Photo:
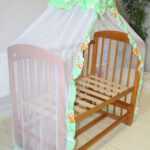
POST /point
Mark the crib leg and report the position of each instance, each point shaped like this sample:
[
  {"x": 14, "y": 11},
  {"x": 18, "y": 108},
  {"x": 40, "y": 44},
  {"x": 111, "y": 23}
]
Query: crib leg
[
  {"x": 129, "y": 119},
  {"x": 134, "y": 94}
]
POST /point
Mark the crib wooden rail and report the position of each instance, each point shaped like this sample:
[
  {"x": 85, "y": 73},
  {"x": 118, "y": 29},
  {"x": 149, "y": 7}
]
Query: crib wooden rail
[
  {"x": 96, "y": 93},
  {"x": 104, "y": 132}
]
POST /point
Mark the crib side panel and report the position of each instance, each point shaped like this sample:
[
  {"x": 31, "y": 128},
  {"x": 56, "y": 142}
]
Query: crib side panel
[{"x": 38, "y": 98}]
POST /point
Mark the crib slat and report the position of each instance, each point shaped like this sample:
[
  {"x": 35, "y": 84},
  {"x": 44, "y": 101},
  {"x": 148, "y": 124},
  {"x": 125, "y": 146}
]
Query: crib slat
[
  {"x": 34, "y": 99},
  {"x": 114, "y": 68},
  {"x": 26, "y": 82},
  {"x": 42, "y": 101},
  {"x": 101, "y": 59},
  {"x": 94, "y": 55},
  {"x": 101, "y": 96},
  {"x": 62, "y": 112},
  {"x": 22, "y": 99},
  {"x": 19, "y": 83},
  {"x": 32, "y": 73},
  {"x": 96, "y": 88},
  {"x": 26, "y": 96},
  {"x": 89, "y": 98},
  {"x": 121, "y": 71},
  {"x": 21, "y": 76},
  {"x": 122, "y": 64},
  {"x": 108, "y": 57},
  {"x": 84, "y": 103},
  {"x": 79, "y": 109},
  {"x": 129, "y": 71},
  {"x": 108, "y": 82},
  {"x": 107, "y": 66},
  {"x": 103, "y": 85},
  {"x": 88, "y": 59},
  {"x": 19, "y": 98},
  {"x": 51, "y": 104}
]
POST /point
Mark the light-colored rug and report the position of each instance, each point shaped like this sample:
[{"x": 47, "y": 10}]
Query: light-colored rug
[{"x": 6, "y": 134}]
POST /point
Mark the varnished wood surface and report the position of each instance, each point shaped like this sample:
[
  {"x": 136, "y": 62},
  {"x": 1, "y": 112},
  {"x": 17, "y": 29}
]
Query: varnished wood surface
[{"x": 95, "y": 93}]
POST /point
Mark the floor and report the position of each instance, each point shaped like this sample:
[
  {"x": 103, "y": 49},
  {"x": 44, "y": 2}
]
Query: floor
[{"x": 136, "y": 137}]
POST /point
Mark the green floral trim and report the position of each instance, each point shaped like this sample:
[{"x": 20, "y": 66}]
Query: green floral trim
[
  {"x": 61, "y": 3},
  {"x": 98, "y": 5},
  {"x": 114, "y": 12},
  {"x": 70, "y": 117}
]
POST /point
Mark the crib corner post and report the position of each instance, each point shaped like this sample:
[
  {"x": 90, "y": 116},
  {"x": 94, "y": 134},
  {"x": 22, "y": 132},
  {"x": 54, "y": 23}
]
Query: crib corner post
[
  {"x": 129, "y": 119},
  {"x": 94, "y": 55}
]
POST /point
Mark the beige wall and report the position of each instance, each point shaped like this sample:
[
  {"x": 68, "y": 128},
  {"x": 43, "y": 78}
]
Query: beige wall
[
  {"x": 16, "y": 16},
  {"x": 147, "y": 57}
]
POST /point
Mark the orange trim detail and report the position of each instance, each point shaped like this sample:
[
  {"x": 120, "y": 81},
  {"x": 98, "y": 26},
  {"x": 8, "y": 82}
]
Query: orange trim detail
[
  {"x": 80, "y": 65},
  {"x": 83, "y": 46},
  {"x": 135, "y": 51},
  {"x": 71, "y": 118},
  {"x": 114, "y": 15}
]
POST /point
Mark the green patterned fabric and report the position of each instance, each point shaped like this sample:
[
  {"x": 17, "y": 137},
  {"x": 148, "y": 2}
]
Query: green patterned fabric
[
  {"x": 71, "y": 124},
  {"x": 84, "y": 4}
]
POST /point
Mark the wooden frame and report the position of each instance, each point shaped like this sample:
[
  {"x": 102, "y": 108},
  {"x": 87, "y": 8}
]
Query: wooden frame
[{"x": 95, "y": 93}]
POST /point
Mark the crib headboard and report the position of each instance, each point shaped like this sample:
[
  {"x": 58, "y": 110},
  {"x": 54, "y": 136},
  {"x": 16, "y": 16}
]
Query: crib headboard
[{"x": 38, "y": 97}]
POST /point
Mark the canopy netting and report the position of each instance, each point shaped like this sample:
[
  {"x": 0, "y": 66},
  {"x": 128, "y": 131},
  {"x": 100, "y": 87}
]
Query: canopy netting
[{"x": 65, "y": 29}]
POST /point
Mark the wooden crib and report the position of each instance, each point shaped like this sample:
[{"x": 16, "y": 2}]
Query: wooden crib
[{"x": 94, "y": 92}]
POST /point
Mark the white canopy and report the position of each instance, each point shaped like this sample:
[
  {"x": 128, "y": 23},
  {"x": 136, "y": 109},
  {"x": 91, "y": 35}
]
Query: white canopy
[{"x": 62, "y": 32}]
